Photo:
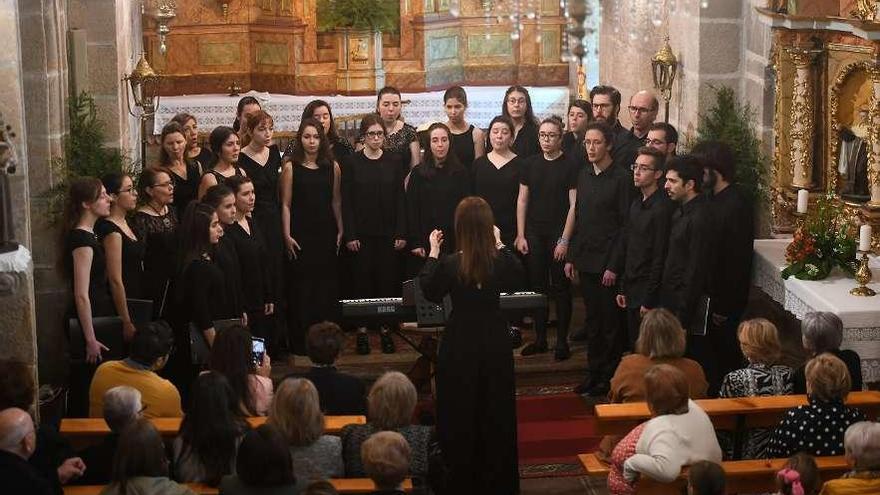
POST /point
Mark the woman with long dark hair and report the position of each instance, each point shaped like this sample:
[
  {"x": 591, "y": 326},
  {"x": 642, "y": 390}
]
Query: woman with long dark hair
[
  {"x": 184, "y": 172},
  {"x": 206, "y": 445},
  {"x": 155, "y": 222},
  {"x": 434, "y": 190},
  {"x": 476, "y": 407},
  {"x": 374, "y": 216},
  {"x": 545, "y": 222},
  {"x": 202, "y": 156},
  {"x": 140, "y": 465},
  {"x": 227, "y": 148},
  {"x": 123, "y": 249},
  {"x": 251, "y": 384},
  {"x": 320, "y": 110},
  {"x": 400, "y": 137},
  {"x": 517, "y": 106},
  {"x": 247, "y": 105},
  {"x": 496, "y": 177},
  {"x": 468, "y": 141},
  {"x": 222, "y": 199},
  {"x": 580, "y": 113},
  {"x": 311, "y": 220}
]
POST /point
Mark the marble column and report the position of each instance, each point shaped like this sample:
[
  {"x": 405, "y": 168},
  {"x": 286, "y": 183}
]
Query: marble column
[{"x": 802, "y": 133}]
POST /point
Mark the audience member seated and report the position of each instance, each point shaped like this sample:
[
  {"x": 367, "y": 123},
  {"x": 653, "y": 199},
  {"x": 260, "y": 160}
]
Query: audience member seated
[
  {"x": 122, "y": 406},
  {"x": 263, "y": 466},
  {"x": 862, "y": 445},
  {"x": 53, "y": 456},
  {"x": 760, "y": 345},
  {"x": 390, "y": 406},
  {"x": 18, "y": 440},
  {"x": 679, "y": 433},
  {"x": 822, "y": 331},
  {"x": 661, "y": 341},
  {"x": 818, "y": 427},
  {"x": 141, "y": 466},
  {"x": 231, "y": 355},
  {"x": 706, "y": 478},
  {"x": 149, "y": 352},
  {"x": 205, "y": 447},
  {"x": 386, "y": 461},
  {"x": 340, "y": 394},
  {"x": 322, "y": 487},
  {"x": 296, "y": 412},
  {"x": 799, "y": 476}
]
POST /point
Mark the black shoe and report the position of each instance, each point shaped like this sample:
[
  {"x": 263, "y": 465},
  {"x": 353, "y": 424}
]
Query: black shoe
[
  {"x": 515, "y": 337},
  {"x": 363, "y": 343},
  {"x": 562, "y": 353},
  {"x": 585, "y": 386},
  {"x": 534, "y": 348},
  {"x": 388, "y": 346},
  {"x": 578, "y": 335},
  {"x": 599, "y": 390}
]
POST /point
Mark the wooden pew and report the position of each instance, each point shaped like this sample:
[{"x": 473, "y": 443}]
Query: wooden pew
[
  {"x": 726, "y": 414},
  {"x": 751, "y": 476},
  {"x": 342, "y": 485}
]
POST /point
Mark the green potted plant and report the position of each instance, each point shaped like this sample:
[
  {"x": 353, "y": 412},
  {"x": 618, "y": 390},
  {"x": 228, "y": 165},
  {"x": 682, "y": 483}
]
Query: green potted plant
[{"x": 358, "y": 25}]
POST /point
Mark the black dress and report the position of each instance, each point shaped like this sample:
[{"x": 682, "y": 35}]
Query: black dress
[
  {"x": 525, "y": 145},
  {"x": 397, "y": 145},
  {"x": 313, "y": 272},
  {"x": 500, "y": 188},
  {"x": 431, "y": 198},
  {"x": 186, "y": 189},
  {"x": 463, "y": 147},
  {"x": 205, "y": 158},
  {"x": 132, "y": 258},
  {"x": 340, "y": 147},
  {"x": 99, "y": 288},
  {"x": 220, "y": 178},
  {"x": 267, "y": 212},
  {"x": 476, "y": 405},
  {"x": 227, "y": 260},
  {"x": 160, "y": 255},
  {"x": 256, "y": 274}
]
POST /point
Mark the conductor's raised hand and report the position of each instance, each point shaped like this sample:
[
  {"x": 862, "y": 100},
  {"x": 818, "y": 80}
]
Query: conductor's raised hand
[
  {"x": 436, "y": 240},
  {"x": 497, "y": 233}
]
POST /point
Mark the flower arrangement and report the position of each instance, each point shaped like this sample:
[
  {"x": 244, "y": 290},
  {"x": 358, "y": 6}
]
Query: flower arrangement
[{"x": 824, "y": 241}]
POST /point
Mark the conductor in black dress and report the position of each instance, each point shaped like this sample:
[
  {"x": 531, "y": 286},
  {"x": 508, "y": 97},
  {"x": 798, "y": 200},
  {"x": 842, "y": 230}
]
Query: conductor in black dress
[{"x": 476, "y": 407}]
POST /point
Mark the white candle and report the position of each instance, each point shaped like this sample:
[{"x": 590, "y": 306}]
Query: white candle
[
  {"x": 802, "y": 199},
  {"x": 865, "y": 238}
]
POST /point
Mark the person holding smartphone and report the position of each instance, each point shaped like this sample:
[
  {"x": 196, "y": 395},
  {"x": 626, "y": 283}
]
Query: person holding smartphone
[{"x": 242, "y": 359}]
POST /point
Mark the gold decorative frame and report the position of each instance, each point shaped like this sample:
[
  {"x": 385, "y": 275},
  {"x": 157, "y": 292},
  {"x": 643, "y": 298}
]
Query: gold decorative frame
[{"x": 843, "y": 74}]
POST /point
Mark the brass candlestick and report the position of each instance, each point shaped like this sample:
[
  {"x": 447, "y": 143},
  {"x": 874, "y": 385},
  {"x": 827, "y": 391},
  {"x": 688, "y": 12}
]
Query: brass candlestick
[
  {"x": 863, "y": 277},
  {"x": 800, "y": 220}
]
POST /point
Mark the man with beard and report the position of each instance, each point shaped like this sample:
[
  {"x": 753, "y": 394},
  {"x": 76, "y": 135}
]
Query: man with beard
[
  {"x": 642, "y": 108},
  {"x": 663, "y": 137},
  {"x": 603, "y": 198},
  {"x": 730, "y": 273},
  {"x": 605, "y": 101}
]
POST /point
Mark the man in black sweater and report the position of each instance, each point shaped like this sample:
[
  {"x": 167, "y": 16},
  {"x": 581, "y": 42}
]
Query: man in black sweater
[
  {"x": 18, "y": 440},
  {"x": 603, "y": 199},
  {"x": 686, "y": 269},
  {"x": 730, "y": 268},
  {"x": 645, "y": 240}
]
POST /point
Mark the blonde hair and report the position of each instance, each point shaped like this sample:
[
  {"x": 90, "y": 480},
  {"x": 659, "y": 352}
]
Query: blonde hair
[
  {"x": 391, "y": 401},
  {"x": 660, "y": 335},
  {"x": 827, "y": 378},
  {"x": 386, "y": 457},
  {"x": 296, "y": 412},
  {"x": 759, "y": 341}
]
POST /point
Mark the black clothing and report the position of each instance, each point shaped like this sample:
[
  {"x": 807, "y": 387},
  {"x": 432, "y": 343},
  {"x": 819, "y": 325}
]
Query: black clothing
[
  {"x": 397, "y": 145},
  {"x": 340, "y": 147},
  {"x": 254, "y": 266},
  {"x": 51, "y": 451},
  {"x": 220, "y": 178},
  {"x": 526, "y": 143},
  {"x": 133, "y": 251},
  {"x": 476, "y": 406},
  {"x": 99, "y": 288},
  {"x": 339, "y": 393},
  {"x": 853, "y": 364},
  {"x": 203, "y": 294},
  {"x": 734, "y": 238},
  {"x": 547, "y": 276},
  {"x": 549, "y": 182},
  {"x": 604, "y": 322},
  {"x": 685, "y": 271},
  {"x": 98, "y": 459},
  {"x": 160, "y": 256},
  {"x": 463, "y": 147},
  {"x": 186, "y": 189},
  {"x": 499, "y": 186},
  {"x": 20, "y": 477},
  {"x": 826, "y": 423},
  {"x": 227, "y": 259},
  {"x": 205, "y": 158},
  {"x": 267, "y": 212},
  {"x": 431, "y": 198},
  {"x": 314, "y": 270},
  {"x": 572, "y": 144},
  {"x": 625, "y": 146}
]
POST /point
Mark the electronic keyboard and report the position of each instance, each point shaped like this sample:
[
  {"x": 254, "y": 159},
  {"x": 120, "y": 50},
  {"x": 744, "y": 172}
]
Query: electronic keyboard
[{"x": 397, "y": 309}]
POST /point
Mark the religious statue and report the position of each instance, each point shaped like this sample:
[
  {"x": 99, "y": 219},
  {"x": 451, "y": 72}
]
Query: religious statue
[
  {"x": 852, "y": 163},
  {"x": 359, "y": 53},
  {"x": 7, "y": 166}
]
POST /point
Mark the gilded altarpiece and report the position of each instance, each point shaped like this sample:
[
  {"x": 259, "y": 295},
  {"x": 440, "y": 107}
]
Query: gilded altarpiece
[
  {"x": 826, "y": 117},
  {"x": 275, "y": 46}
]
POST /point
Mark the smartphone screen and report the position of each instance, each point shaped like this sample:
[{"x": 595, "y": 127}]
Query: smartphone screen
[{"x": 258, "y": 349}]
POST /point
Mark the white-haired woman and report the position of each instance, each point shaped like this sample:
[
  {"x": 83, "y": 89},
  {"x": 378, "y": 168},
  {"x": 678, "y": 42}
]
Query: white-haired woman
[
  {"x": 822, "y": 331},
  {"x": 861, "y": 443}
]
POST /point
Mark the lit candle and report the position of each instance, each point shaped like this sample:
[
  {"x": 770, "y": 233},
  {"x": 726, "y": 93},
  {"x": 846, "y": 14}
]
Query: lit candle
[
  {"x": 865, "y": 238},
  {"x": 802, "y": 199}
]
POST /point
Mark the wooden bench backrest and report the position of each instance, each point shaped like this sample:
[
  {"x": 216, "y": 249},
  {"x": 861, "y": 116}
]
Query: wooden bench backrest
[
  {"x": 726, "y": 414},
  {"x": 97, "y": 427},
  {"x": 342, "y": 485},
  {"x": 750, "y": 476}
]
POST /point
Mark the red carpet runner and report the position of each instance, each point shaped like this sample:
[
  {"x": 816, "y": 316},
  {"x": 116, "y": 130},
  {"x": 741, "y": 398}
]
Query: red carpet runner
[{"x": 552, "y": 430}]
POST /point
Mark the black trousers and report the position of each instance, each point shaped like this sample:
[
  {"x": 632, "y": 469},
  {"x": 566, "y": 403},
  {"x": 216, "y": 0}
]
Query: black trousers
[
  {"x": 633, "y": 322},
  {"x": 374, "y": 271},
  {"x": 604, "y": 321},
  {"x": 313, "y": 291},
  {"x": 547, "y": 276},
  {"x": 718, "y": 352}
]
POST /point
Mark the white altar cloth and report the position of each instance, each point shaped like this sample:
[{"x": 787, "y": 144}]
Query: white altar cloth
[
  {"x": 484, "y": 103},
  {"x": 860, "y": 315}
]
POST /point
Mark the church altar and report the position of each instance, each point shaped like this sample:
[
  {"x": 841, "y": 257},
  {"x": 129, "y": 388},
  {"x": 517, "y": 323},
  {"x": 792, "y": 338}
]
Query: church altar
[
  {"x": 860, "y": 315},
  {"x": 484, "y": 103}
]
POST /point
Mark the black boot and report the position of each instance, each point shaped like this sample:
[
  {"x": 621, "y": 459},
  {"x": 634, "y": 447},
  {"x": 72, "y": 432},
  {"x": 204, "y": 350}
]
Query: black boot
[
  {"x": 363, "y": 343},
  {"x": 388, "y": 346}
]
